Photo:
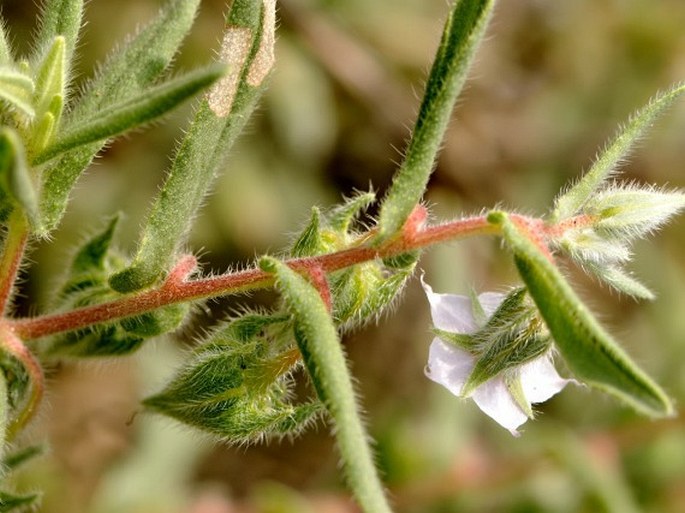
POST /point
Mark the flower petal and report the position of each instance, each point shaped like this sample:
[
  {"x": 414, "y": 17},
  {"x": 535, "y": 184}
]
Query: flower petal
[
  {"x": 450, "y": 312},
  {"x": 540, "y": 380},
  {"x": 490, "y": 301},
  {"x": 493, "y": 398},
  {"x": 448, "y": 365}
]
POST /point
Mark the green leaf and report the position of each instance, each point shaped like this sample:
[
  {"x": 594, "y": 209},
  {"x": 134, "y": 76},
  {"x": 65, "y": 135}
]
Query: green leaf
[
  {"x": 218, "y": 122},
  {"x": 590, "y": 352},
  {"x": 129, "y": 71},
  {"x": 132, "y": 113},
  {"x": 15, "y": 177},
  {"x": 464, "y": 29},
  {"x": 620, "y": 280},
  {"x": 60, "y": 18},
  {"x": 321, "y": 349},
  {"x": 573, "y": 200}
]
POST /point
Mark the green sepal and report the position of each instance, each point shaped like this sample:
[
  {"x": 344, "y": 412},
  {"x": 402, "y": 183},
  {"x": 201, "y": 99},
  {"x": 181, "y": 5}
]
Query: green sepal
[
  {"x": 60, "y": 18},
  {"x": 133, "y": 68},
  {"x": 16, "y": 89},
  {"x": 341, "y": 217},
  {"x": 572, "y": 201},
  {"x": 464, "y": 29},
  {"x": 86, "y": 284},
  {"x": 311, "y": 241},
  {"x": 512, "y": 380},
  {"x": 362, "y": 292},
  {"x": 202, "y": 151},
  {"x": 464, "y": 341},
  {"x": 16, "y": 503},
  {"x": 511, "y": 337},
  {"x": 16, "y": 383},
  {"x": 16, "y": 182},
  {"x": 589, "y": 351},
  {"x": 132, "y": 113},
  {"x": 324, "y": 359},
  {"x": 238, "y": 389}
]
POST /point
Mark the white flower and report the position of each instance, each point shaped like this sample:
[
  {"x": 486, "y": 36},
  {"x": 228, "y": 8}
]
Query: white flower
[{"x": 451, "y": 366}]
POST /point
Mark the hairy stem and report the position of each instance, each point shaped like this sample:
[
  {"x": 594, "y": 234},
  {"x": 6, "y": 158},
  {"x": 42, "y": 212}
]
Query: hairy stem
[
  {"x": 11, "y": 344},
  {"x": 12, "y": 253},
  {"x": 175, "y": 290}
]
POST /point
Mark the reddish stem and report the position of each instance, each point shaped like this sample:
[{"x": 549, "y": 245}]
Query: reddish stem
[
  {"x": 175, "y": 290},
  {"x": 15, "y": 347},
  {"x": 12, "y": 253}
]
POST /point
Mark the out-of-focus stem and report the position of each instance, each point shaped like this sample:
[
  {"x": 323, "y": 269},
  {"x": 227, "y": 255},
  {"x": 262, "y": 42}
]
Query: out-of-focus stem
[{"x": 12, "y": 253}]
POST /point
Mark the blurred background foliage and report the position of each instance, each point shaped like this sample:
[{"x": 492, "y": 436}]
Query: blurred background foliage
[{"x": 550, "y": 85}]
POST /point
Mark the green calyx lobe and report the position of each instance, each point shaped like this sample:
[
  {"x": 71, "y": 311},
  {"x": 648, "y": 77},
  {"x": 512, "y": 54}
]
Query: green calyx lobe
[
  {"x": 86, "y": 285},
  {"x": 237, "y": 384}
]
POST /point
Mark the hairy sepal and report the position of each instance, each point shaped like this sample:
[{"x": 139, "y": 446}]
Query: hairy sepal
[
  {"x": 85, "y": 285},
  {"x": 237, "y": 384}
]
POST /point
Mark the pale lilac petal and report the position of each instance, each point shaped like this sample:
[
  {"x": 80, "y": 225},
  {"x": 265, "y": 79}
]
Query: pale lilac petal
[
  {"x": 448, "y": 365},
  {"x": 490, "y": 301},
  {"x": 450, "y": 312},
  {"x": 494, "y": 399},
  {"x": 540, "y": 380}
]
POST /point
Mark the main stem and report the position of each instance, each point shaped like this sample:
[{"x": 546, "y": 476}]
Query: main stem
[{"x": 177, "y": 290}]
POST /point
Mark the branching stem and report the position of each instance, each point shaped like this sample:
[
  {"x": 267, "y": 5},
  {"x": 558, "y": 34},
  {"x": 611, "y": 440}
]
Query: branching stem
[{"x": 176, "y": 289}]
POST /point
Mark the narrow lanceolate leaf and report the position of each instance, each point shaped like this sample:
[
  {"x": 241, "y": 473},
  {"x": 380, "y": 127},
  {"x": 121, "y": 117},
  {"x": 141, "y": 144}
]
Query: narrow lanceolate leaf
[
  {"x": 619, "y": 279},
  {"x": 572, "y": 201},
  {"x": 217, "y": 123},
  {"x": 321, "y": 349},
  {"x": 15, "y": 177},
  {"x": 50, "y": 76},
  {"x": 129, "y": 71},
  {"x": 60, "y": 18},
  {"x": 132, "y": 113},
  {"x": 16, "y": 89},
  {"x": 464, "y": 29},
  {"x": 590, "y": 352}
]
